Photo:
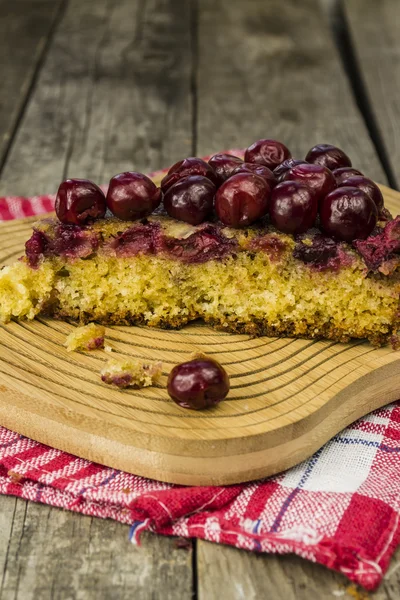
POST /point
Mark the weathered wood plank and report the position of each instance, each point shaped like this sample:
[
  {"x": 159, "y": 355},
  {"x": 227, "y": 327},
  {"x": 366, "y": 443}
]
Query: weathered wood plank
[
  {"x": 57, "y": 554},
  {"x": 240, "y": 575},
  {"x": 24, "y": 29},
  {"x": 374, "y": 29},
  {"x": 113, "y": 94},
  {"x": 270, "y": 69}
]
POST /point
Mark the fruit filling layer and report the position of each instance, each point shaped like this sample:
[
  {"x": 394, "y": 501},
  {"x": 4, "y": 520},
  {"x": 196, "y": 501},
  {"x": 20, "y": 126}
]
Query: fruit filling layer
[{"x": 160, "y": 235}]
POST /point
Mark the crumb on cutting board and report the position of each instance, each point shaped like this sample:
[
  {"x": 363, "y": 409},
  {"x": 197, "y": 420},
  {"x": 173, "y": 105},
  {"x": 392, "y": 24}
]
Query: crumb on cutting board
[
  {"x": 88, "y": 337},
  {"x": 130, "y": 373}
]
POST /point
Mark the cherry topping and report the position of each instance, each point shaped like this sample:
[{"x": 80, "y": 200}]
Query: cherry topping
[
  {"x": 132, "y": 196},
  {"x": 242, "y": 199},
  {"x": 293, "y": 207},
  {"x": 224, "y": 165},
  {"x": 344, "y": 173},
  {"x": 368, "y": 187},
  {"x": 190, "y": 199},
  {"x": 348, "y": 214},
  {"x": 319, "y": 179},
  {"x": 79, "y": 201},
  {"x": 197, "y": 384},
  {"x": 185, "y": 167},
  {"x": 328, "y": 156},
  {"x": 257, "y": 169},
  {"x": 284, "y": 167},
  {"x": 270, "y": 153}
]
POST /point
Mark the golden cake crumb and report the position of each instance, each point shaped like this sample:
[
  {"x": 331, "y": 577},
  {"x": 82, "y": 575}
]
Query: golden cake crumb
[
  {"x": 87, "y": 337},
  {"x": 130, "y": 373}
]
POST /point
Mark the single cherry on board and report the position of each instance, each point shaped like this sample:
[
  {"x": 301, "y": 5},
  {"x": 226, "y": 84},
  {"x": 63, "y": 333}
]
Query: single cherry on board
[
  {"x": 190, "y": 199},
  {"x": 79, "y": 201},
  {"x": 348, "y": 214},
  {"x": 293, "y": 207},
  {"x": 197, "y": 384},
  {"x": 132, "y": 196},
  {"x": 270, "y": 153}
]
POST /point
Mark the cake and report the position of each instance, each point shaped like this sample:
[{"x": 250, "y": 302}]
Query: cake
[
  {"x": 87, "y": 337},
  {"x": 130, "y": 373},
  {"x": 252, "y": 268}
]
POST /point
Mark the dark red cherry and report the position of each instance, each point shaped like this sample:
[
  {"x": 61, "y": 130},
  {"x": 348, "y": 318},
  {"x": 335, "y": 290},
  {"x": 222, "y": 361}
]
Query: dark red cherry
[
  {"x": 344, "y": 173},
  {"x": 284, "y": 167},
  {"x": 257, "y": 169},
  {"x": 368, "y": 187},
  {"x": 293, "y": 207},
  {"x": 270, "y": 153},
  {"x": 132, "y": 196},
  {"x": 185, "y": 167},
  {"x": 242, "y": 199},
  {"x": 224, "y": 165},
  {"x": 197, "y": 384},
  {"x": 319, "y": 179},
  {"x": 348, "y": 214},
  {"x": 79, "y": 201},
  {"x": 329, "y": 156},
  {"x": 190, "y": 199}
]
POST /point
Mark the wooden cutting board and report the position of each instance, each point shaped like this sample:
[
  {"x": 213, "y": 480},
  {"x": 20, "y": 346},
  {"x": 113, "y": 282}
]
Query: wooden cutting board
[{"x": 288, "y": 397}]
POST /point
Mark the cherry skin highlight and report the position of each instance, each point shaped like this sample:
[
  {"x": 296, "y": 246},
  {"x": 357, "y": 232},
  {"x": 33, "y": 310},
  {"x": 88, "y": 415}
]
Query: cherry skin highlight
[
  {"x": 257, "y": 169},
  {"x": 190, "y": 199},
  {"x": 319, "y": 179},
  {"x": 344, "y": 173},
  {"x": 242, "y": 199},
  {"x": 270, "y": 153},
  {"x": 188, "y": 166},
  {"x": 329, "y": 156},
  {"x": 132, "y": 196},
  {"x": 223, "y": 165},
  {"x": 293, "y": 207},
  {"x": 348, "y": 214},
  {"x": 79, "y": 201},
  {"x": 198, "y": 384},
  {"x": 281, "y": 170},
  {"x": 368, "y": 187}
]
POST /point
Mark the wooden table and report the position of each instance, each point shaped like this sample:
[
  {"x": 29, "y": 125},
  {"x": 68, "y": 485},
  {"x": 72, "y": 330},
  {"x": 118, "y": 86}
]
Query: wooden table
[{"x": 94, "y": 87}]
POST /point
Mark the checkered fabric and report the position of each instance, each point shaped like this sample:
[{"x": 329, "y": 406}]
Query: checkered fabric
[{"x": 339, "y": 508}]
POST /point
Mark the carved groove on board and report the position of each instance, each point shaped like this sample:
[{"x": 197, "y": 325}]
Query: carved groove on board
[{"x": 287, "y": 397}]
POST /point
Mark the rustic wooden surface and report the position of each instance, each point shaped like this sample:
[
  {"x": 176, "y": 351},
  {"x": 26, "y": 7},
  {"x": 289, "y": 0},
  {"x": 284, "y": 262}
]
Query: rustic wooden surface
[
  {"x": 377, "y": 49},
  {"x": 288, "y": 397},
  {"x": 139, "y": 84},
  {"x": 26, "y": 30}
]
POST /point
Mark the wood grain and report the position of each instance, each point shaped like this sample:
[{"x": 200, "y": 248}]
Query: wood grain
[
  {"x": 57, "y": 554},
  {"x": 225, "y": 572},
  {"x": 376, "y": 44},
  {"x": 288, "y": 397},
  {"x": 25, "y": 29},
  {"x": 271, "y": 70},
  {"x": 114, "y": 94},
  {"x": 41, "y": 141}
]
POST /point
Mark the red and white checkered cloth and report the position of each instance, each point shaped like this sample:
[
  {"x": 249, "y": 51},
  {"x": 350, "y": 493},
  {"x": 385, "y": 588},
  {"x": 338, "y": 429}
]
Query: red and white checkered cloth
[{"x": 339, "y": 508}]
